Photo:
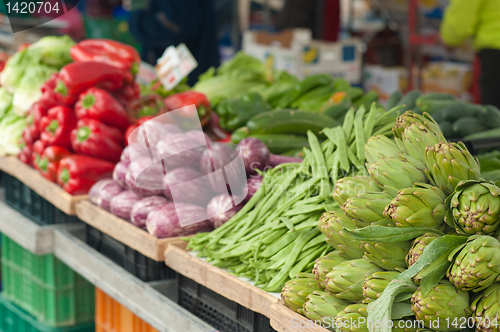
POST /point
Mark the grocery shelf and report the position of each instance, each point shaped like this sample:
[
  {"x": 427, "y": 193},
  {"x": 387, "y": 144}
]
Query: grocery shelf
[
  {"x": 286, "y": 320},
  {"x": 141, "y": 298},
  {"x": 31, "y": 236}
]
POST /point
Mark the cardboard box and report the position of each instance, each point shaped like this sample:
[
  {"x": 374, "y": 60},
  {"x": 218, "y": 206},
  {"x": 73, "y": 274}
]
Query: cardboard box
[
  {"x": 296, "y": 52},
  {"x": 448, "y": 77},
  {"x": 385, "y": 81}
]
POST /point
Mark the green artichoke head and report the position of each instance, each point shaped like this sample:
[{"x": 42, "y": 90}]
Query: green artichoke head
[
  {"x": 374, "y": 284},
  {"x": 352, "y": 186},
  {"x": 368, "y": 208},
  {"x": 345, "y": 281},
  {"x": 450, "y": 163},
  {"x": 443, "y": 308},
  {"x": 295, "y": 291},
  {"x": 418, "y": 247},
  {"x": 424, "y": 125},
  {"x": 332, "y": 225},
  {"x": 388, "y": 256},
  {"x": 419, "y": 206},
  {"x": 475, "y": 265},
  {"x": 486, "y": 309},
  {"x": 354, "y": 318},
  {"x": 379, "y": 147},
  {"x": 322, "y": 307},
  {"x": 474, "y": 208},
  {"x": 324, "y": 265},
  {"x": 397, "y": 173}
]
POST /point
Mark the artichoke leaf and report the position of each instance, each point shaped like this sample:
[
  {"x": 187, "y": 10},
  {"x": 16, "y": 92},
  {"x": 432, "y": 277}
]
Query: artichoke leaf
[{"x": 386, "y": 234}]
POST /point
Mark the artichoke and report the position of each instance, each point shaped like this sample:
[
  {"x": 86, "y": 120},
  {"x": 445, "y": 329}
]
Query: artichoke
[
  {"x": 295, "y": 291},
  {"x": 374, "y": 285},
  {"x": 415, "y": 132},
  {"x": 332, "y": 224},
  {"x": 474, "y": 208},
  {"x": 405, "y": 325},
  {"x": 379, "y": 147},
  {"x": 367, "y": 209},
  {"x": 397, "y": 173},
  {"x": 346, "y": 279},
  {"x": 325, "y": 264},
  {"x": 419, "y": 206},
  {"x": 475, "y": 264},
  {"x": 442, "y": 308},
  {"x": 354, "y": 318},
  {"x": 418, "y": 247},
  {"x": 448, "y": 164},
  {"x": 486, "y": 309},
  {"x": 389, "y": 256},
  {"x": 323, "y": 307},
  {"x": 353, "y": 186}
]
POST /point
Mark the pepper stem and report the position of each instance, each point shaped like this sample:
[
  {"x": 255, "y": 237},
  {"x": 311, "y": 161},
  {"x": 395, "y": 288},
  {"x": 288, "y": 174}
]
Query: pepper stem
[
  {"x": 52, "y": 127},
  {"x": 83, "y": 134},
  {"x": 135, "y": 68},
  {"x": 88, "y": 101},
  {"x": 147, "y": 111},
  {"x": 61, "y": 88},
  {"x": 43, "y": 164},
  {"x": 64, "y": 176}
]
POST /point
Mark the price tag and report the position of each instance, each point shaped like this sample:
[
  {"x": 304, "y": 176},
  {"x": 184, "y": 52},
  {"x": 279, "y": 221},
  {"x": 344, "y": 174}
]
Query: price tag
[{"x": 174, "y": 65}]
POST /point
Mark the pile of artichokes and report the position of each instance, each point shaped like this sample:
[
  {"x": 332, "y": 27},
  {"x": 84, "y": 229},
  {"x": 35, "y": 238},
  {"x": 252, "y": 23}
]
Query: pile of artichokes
[{"x": 416, "y": 182}]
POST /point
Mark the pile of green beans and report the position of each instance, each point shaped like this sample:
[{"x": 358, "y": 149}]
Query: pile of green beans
[{"x": 275, "y": 235}]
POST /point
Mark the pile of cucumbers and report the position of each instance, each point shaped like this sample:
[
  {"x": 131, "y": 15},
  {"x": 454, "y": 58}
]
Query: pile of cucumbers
[
  {"x": 457, "y": 119},
  {"x": 316, "y": 102}
]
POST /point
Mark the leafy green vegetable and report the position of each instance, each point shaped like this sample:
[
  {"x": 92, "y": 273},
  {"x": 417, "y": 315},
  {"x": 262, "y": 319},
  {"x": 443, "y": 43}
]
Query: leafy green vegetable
[
  {"x": 54, "y": 50},
  {"x": 242, "y": 74},
  {"x": 11, "y": 129},
  {"x": 5, "y": 102},
  {"x": 15, "y": 68},
  {"x": 28, "y": 92}
]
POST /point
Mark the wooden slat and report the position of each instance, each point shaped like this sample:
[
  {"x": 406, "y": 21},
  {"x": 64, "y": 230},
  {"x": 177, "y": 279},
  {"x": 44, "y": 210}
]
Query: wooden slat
[
  {"x": 43, "y": 187},
  {"x": 123, "y": 231},
  {"x": 286, "y": 320},
  {"x": 218, "y": 280}
]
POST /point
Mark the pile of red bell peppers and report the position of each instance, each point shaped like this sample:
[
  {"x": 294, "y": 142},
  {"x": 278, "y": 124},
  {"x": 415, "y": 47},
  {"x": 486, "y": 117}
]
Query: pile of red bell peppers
[{"x": 75, "y": 133}]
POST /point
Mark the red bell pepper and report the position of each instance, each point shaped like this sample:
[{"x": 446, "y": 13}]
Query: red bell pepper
[
  {"x": 132, "y": 127},
  {"x": 107, "y": 51},
  {"x": 95, "y": 139},
  {"x": 49, "y": 99},
  {"x": 48, "y": 163},
  {"x": 32, "y": 132},
  {"x": 26, "y": 152},
  {"x": 77, "y": 173},
  {"x": 56, "y": 126},
  {"x": 187, "y": 98},
  {"x": 77, "y": 77},
  {"x": 37, "y": 151},
  {"x": 127, "y": 93},
  {"x": 99, "y": 105},
  {"x": 146, "y": 106}
]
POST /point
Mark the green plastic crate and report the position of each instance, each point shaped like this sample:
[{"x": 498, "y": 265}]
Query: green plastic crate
[
  {"x": 14, "y": 319},
  {"x": 45, "y": 287}
]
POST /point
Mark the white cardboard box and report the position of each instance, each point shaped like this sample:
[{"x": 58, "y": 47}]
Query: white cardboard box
[
  {"x": 296, "y": 52},
  {"x": 385, "y": 81}
]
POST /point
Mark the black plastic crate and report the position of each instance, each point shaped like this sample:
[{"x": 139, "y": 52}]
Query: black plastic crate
[
  {"x": 218, "y": 311},
  {"x": 22, "y": 198},
  {"x": 131, "y": 260}
]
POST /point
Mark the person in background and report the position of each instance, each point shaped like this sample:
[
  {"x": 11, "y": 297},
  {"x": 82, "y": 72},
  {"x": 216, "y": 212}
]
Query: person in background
[
  {"x": 171, "y": 22},
  {"x": 479, "y": 19}
]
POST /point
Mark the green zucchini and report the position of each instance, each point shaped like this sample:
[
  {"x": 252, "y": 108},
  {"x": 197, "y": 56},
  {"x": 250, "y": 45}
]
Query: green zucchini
[
  {"x": 289, "y": 122},
  {"x": 467, "y": 126},
  {"x": 393, "y": 100},
  {"x": 279, "y": 143}
]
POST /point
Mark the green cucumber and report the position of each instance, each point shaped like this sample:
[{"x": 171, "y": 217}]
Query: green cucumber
[
  {"x": 434, "y": 97},
  {"x": 458, "y": 110},
  {"x": 432, "y": 106},
  {"x": 490, "y": 116},
  {"x": 296, "y": 153},
  {"x": 279, "y": 143},
  {"x": 338, "y": 110},
  {"x": 289, "y": 122},
  {"x": 393, "y": 100},
  {"x": 492, "y": 133},
  {"x": 367, "y": 100},
  {"x": 467, "y": 126},
  {"x": 239, "y": 134},
  {"x": 408, "y": 100},
  {"x": 447, "y": 129},
  {"x": 355, "y": 93}
]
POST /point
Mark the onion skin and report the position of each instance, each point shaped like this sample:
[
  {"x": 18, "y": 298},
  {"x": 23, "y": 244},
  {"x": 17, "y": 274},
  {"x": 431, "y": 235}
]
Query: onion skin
[
  {"x": 196, "y": 192},
  {"x": 220, "y": 209},
  {"x": 103, "y": 191},
  {"x": 149, "y": 182},
  {"x": 143, "y": 207},
  {"x": 253, "y": 184},
  {"x": 275, "y": 160},
  {"x": 121, "y": 205},
  {"x": 255, "y": 154},
  {"x": 179, "y": 150},
  {"x": 120, "y": 172}
]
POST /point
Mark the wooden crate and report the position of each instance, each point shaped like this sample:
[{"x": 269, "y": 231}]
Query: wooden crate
[
  {"x": 286, "y": 320},
  {"x": 218, "y": 280},
  {"x": 43, "y": 187},
  {"x": 124, "y": 231}
]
